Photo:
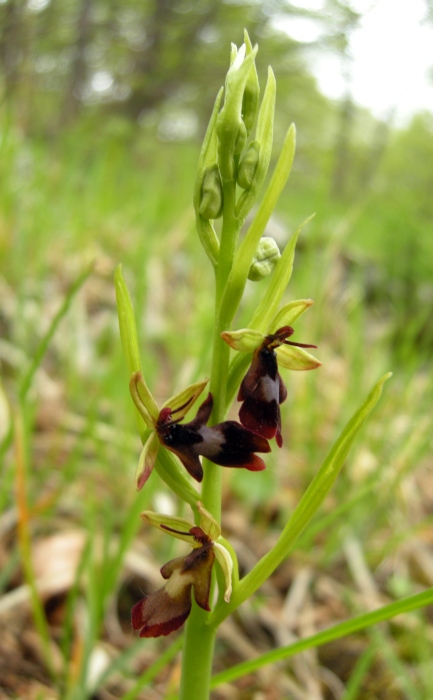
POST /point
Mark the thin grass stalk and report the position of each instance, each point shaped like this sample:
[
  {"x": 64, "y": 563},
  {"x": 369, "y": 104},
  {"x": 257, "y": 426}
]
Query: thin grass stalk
[
  {"x": 150, "y": 672},
  {"x": 25, "y": 545},
  {"x": 343, "y": 629}
]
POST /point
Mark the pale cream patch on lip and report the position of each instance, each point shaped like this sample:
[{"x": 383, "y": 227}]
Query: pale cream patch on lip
[
  {"x": 269, "y": 388},
  {"x": 213, "y": 441}
]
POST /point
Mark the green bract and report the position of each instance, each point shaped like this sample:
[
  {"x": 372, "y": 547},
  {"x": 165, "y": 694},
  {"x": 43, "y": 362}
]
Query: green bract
[{"x": 250, "y": 100}]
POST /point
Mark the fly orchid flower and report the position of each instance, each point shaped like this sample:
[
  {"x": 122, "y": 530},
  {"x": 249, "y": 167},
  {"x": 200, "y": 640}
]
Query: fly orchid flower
[
  {"x": 227, "y": 444},
  {"x": 147, "y": 408},
  {"x": 164, "y": 611},
  {"x": 262, "y": 389}
]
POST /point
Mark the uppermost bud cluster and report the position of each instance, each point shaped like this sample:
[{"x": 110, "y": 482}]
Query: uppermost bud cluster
[{"x": 231, "y": 155}]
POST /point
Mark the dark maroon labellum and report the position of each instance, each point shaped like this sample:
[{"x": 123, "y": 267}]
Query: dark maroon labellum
[
  {"x": 262, "y": 390},
  {"x": 227, "y": 444}
]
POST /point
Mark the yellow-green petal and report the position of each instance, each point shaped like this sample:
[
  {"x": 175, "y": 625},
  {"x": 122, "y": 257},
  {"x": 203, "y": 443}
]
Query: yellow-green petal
[
  {"x": 181, "y": 526},
  {"x": 226, "y": 563}
]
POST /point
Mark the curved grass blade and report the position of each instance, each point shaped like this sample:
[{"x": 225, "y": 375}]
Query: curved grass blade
[
  {"x": 343, "y": 629},
  {"x": 154, "y": 668},
  {"x": 27, "y": 380}
]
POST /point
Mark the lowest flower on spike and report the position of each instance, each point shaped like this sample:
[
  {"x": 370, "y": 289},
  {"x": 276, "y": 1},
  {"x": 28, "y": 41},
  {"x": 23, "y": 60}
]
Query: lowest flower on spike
[
  {"x": 262, "y": 389},
  {"x": 166, "y": 609}
]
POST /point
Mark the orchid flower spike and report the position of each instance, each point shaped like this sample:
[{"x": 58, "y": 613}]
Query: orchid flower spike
[{"x": 165, "y": 610}]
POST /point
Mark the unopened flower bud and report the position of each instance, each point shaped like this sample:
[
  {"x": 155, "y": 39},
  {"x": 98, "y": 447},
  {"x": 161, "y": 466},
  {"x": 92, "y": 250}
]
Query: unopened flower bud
[
  {"x": 265, "y": 259},
  {"x": 211, "y": 202},
  {"x": 248, "y": 166},
  {"x": 241, "y": 139}
]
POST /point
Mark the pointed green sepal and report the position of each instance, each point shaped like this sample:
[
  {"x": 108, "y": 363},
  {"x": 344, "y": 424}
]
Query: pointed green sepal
[
  {"x": 292, "y": 357},
  {"x": 185, "y": 398},
  {"x": 147, "y": 460},
  {"x": 143, "y": 399},
  {"x": 243, "y": 340},
  {"x": 230, "y": 126},
  {"x": 289, "y": 313}
]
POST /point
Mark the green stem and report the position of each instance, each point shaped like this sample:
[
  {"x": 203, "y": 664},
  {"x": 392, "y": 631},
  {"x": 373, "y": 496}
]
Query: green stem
[
  {"x": 212, "y": 481},
  {"x": 199, "y": 637},
  {"x": 197, "y": 657}
]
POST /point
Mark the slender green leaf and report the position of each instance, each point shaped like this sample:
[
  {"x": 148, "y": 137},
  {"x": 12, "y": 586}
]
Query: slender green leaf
[
  {"x": 127, "y": 326},
  {"x": 343, "y": 629}
]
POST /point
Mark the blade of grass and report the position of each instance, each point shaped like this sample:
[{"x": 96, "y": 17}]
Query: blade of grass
[
  {"x": 40, "y": 351},
  {"x": 154, "y": 669},
  {"x": 343, "y": 629},
  {"x": 24, "y": 541},
  {"x": 68, "y": 649},
  {"x": 359, "y": 672},
  {"x": 397, "y": 667},
  {"x": 46, "y": 339}
]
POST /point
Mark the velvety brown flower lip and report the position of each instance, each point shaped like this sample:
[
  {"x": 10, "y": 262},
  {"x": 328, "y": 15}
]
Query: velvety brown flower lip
[
  {"x": 227, "y": 444},
  {"x": 262, "y": 389},
  {"x": 165, "y": 610}
]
